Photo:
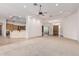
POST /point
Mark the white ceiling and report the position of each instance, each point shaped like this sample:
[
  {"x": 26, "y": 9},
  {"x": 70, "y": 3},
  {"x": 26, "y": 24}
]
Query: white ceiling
[{"x": 17, "y": 9}]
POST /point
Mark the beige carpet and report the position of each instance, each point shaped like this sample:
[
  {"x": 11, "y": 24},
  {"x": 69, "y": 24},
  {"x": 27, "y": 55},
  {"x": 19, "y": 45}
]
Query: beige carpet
[{"x": 43, "y": 46}]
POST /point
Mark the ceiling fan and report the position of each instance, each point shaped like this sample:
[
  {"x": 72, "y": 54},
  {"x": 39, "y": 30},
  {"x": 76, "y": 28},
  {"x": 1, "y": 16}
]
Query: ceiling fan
[{"x": 40, "y": 10}]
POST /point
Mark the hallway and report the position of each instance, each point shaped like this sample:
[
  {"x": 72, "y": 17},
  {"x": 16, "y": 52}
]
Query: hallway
[{"x": 43, "y": 46}]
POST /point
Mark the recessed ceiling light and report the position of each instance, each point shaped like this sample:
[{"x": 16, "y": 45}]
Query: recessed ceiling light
[
  {"x": 57, "y": 4},
  {"x": 25, "y": 6}
]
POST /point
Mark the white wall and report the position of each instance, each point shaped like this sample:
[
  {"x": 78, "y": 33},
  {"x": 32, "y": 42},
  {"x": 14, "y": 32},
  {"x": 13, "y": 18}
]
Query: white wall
[
  {"x": 77, "y": 26},
  {"x": 51, "y": 29},
  {"x": 69, "y": 26},
  {"x": 34, "y": 27}
]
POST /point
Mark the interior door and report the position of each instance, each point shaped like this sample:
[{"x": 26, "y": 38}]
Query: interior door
[{"x": 55, "y": 30}]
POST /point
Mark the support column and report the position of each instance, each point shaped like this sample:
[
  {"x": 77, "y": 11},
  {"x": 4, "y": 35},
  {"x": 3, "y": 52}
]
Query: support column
[
  {"x": 4, "y": 28},
  {"x": 27, "y": 27}
]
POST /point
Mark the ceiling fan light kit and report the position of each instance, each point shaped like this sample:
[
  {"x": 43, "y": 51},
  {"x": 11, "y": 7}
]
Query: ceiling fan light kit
[
  {"x": 35, "y": 4},
  {"x": 40, "y": 13},
  {"x": 40, "y": 10}
]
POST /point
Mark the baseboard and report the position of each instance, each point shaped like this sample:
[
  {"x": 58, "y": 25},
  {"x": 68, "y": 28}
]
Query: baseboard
[
  {"x": 34, "y": 37},
  {"x": 70, "y": 39}
]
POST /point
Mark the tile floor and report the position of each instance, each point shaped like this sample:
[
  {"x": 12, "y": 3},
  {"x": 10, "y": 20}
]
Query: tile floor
[{"x": 43, "y": 46}]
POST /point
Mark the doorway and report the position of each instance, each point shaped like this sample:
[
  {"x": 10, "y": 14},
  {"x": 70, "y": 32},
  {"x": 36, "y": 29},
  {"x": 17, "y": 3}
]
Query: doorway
[
  {"x": 55, "y": 30},
  {"x": 45, "y": 30}
]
